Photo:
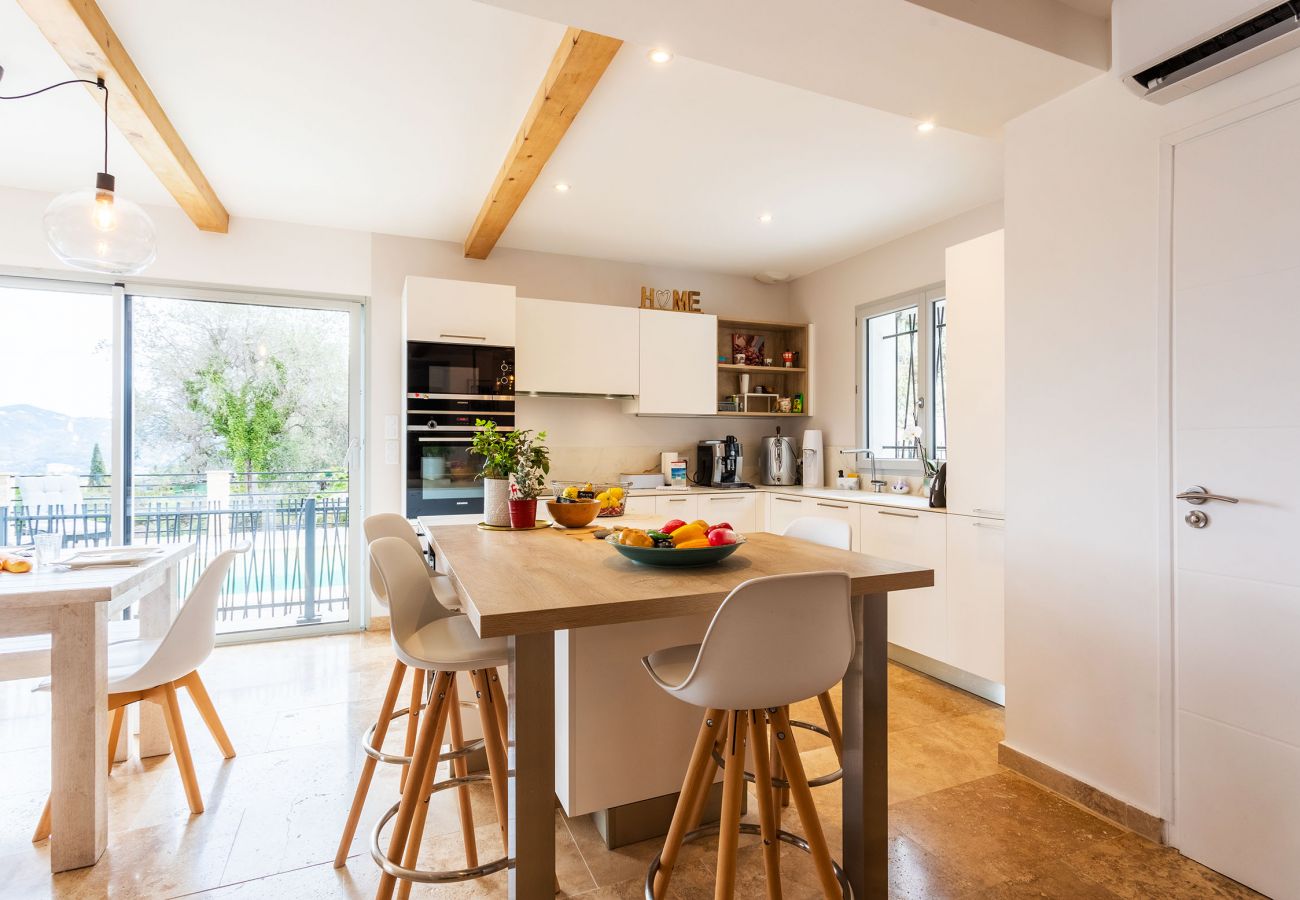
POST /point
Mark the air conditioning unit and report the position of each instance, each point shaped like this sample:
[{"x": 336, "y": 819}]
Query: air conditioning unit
[{"x": 1212, "y": 57}]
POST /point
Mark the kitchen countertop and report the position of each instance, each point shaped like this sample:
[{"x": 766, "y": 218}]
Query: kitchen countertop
[{"x": 902, "y": 501}]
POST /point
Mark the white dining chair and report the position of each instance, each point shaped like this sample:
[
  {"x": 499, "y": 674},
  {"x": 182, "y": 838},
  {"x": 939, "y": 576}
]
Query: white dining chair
[
  {"x": 774, "y": 641},
  {"x": 155, "y": 669},
  {"x": 392, "y": 525}
]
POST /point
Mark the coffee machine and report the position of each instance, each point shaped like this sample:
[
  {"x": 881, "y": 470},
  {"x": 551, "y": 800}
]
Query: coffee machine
[{"x": 718, "y": 463}]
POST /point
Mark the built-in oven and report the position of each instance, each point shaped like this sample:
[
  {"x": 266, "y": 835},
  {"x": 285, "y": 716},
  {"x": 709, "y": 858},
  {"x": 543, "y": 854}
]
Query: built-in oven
[{"x": 449, "y": 388}]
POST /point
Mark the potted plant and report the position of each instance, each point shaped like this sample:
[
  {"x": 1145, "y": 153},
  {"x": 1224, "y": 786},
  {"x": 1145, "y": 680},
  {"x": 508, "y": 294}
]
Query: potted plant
[
  {"x": 498, "y": 451},
  {"x": 532, "y": 464}
]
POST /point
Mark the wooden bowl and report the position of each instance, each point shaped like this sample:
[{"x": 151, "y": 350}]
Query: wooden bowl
[{"x": 573, "y": 515}]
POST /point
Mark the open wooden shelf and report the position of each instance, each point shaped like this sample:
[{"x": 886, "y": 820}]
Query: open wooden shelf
[
  {"x": 765, "y": 415},
  {"x": 765, "y": 370},
  {"x": 777, "y": 380}
]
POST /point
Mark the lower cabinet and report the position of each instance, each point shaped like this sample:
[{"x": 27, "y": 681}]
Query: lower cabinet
[
  {"x": 640, "y": 506},
  {"x": 784, "y": 509},
  {"x": 976, "y": 550},
  {"x": 918, "y": 619},
  {"x": 685, "y": 507},
  {"x": 844, "y": 512},
  {"x": 740, "y": 509}
]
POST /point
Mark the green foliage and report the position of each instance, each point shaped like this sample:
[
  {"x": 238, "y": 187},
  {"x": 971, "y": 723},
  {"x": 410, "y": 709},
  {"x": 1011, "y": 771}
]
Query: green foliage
[
  {"x": 532, "y": 464},
  {"x": 98, "y": 470},
  {"x": 519, "y": 453},
  {"x": 250, "y": 416},
  {"x": 496, "y": 447}
]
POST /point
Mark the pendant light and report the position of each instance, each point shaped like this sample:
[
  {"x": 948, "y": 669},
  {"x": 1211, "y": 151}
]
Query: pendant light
[{"x": 95, "y": 229}]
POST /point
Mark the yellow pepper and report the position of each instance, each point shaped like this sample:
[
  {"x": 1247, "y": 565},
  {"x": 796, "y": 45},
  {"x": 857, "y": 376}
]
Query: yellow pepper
[
  {"x": 687, "y": 533},
  {"x": 693, "y": 544}
]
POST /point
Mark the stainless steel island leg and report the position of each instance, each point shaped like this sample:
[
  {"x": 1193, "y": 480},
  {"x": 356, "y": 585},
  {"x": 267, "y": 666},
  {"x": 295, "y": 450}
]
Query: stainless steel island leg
[
  {"x": 532, "y": 766},
  {"x": 865, "y": 785}
]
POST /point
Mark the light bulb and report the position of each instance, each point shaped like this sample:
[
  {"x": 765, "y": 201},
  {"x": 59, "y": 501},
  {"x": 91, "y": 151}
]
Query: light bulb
[
  {"x": 105, "y": 213},
  {"x": 99, "y": 231}
]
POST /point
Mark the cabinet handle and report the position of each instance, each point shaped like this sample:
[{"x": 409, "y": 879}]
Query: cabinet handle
[
  {"x": 989, "y": 525},
  {"x": 834, "y": 505},
  {"x": 995, "y": 513},
  {"x": 720, "y": 499},
  {"x": 676, "y": 499},
  {"x": 885, "y": 512},
  {"x": 465, "y": 337},
  {"x": 788, "y": 499}
]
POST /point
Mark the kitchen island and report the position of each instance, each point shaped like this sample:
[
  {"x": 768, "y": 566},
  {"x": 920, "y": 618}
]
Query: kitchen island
[{"x": 533, "y": 586}]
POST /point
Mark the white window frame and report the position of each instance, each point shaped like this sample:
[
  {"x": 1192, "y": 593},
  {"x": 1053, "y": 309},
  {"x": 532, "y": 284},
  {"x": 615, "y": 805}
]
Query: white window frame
[{"x": 923, "y": 299}]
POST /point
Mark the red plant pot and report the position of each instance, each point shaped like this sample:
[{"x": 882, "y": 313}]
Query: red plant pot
[{"x": 523, "y": 513}]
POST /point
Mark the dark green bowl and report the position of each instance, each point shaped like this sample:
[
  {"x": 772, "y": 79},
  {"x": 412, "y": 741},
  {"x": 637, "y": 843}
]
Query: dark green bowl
[{"x": 654, "y": 556}]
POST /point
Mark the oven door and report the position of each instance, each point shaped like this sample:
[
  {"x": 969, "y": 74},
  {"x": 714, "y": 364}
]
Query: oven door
[{"x": 442, "y": 475}]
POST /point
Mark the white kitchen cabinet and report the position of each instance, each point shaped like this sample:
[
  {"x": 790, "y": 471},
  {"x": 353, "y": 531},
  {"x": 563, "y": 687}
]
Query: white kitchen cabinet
[
  {"x": 459, "y": 312},
  {"x": 640, "y": 506},
  {"x": 975, "y": 580},
  {"x": 736, "y": 507},
  {"x": 685, "y": 507},
  {"x": 784, "y": 509},
  {"x": 840, "y": 510},
  {"x": 575, "y": 348},
  {"x": 976, "y": 377},
  {"x": 678, "y": 364},
  {"x": 918, "y": 619}
]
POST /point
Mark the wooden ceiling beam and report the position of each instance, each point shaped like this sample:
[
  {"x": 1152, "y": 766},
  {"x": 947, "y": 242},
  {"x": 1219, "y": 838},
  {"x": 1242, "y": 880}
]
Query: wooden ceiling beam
[
  {"x": 81, "y": 35},
  {"x": 580, "y": 61}
]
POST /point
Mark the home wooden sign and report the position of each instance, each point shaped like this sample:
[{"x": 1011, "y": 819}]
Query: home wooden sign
[{"x": 674, "y": 301}]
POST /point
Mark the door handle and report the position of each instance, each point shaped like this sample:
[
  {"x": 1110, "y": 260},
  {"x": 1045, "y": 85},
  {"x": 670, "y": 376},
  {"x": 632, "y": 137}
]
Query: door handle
[
  {"x": 885, "y": 512},
  {"x": 465, "y": 337},
  {"x": 788, "y": 499},
  {"x": 1196, "y": 495},
  {"x": 833, "y": 505}
]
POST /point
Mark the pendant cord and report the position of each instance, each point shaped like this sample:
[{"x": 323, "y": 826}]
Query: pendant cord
[{"x": 99, "y": 83}]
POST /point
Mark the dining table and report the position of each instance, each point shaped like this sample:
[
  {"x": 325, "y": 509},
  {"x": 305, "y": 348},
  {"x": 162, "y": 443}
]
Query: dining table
[
  {"x": 527, "y": 585},
  {"x": 73, "y": 606}
]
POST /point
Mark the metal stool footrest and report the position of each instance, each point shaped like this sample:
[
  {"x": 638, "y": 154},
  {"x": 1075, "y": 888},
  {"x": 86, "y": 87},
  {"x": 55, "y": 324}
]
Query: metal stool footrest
[
  {"x": 819, "y": 781},
  {"x": 397, "y": 759},
  {"x": 433, "y": 876},
  {"x": 793, "y": 840}
]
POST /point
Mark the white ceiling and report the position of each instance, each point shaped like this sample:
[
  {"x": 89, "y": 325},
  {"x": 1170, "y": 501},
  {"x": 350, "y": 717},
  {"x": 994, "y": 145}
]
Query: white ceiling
[{"x": 393, "y": 116}]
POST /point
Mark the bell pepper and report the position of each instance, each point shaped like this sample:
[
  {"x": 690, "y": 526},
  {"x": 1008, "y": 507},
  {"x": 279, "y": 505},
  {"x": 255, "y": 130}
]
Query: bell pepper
[
  {"x": 726, "y": 525},
  {"x": 703, "y": 525},
  {"x": 672, "y": 525},
  {"x": 693, "y": 544},
  {"x": 686, "y": 533}
]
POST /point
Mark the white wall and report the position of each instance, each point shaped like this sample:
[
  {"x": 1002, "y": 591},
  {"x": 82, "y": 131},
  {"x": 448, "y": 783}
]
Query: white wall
[
  {"x": 828, "y": 297},
  {"x": 1084, "y": 614},
  {"x": 590, "y": 438}
]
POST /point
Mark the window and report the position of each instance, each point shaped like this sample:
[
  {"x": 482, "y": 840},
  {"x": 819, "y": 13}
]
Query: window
[{"x": 902, "y": 352}]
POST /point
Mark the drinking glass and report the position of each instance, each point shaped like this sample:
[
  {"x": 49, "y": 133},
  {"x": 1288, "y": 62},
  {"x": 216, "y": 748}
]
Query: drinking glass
[{"x": 49, "y": 548}]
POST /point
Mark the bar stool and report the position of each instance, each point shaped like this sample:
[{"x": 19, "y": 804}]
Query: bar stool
[
  {"x": 763, "y": 651},
  {"x": 429, "y": 638}
]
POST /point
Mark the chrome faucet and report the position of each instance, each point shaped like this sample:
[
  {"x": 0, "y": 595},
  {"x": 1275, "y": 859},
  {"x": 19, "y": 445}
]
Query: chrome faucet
[{"x": 876, "y": 484}]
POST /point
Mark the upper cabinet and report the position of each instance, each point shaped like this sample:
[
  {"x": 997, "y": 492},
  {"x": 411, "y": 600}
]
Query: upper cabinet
[
  {"x": 678, "y": 365},
  {"x": 575, "y": 348},
  {"x": 976, "y": 373},
  {"x": 459, "y": 312}
]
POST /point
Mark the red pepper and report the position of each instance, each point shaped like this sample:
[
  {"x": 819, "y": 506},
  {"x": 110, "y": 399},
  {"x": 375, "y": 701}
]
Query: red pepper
[
  {"x": 672, "y": 525},
  {"x": 726, "y": 525}
]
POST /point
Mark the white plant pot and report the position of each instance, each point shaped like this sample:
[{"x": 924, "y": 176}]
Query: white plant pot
[{"x": 496, "y": 501}]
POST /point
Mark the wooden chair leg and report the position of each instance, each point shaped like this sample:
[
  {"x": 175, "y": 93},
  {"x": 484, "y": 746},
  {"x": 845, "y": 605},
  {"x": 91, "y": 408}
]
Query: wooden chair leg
[
  {"x": 696, "y": 771},
  {"x": 495, "y": 746},
  {"x": 116, "y": 719},
  {"x": 412, "y": 719},
  {"x": 166, "y": 695},
  {"x": 733, "y": 795},
  {"x": 778, "y": 771},
  {"x": 424, "y": 756},
  {"x": 202, "y": 702},
  {"x": 460, "y": 767},
  {"x": 499, "y": 705},
  {"x": 368, "y": 767},
  {"x": 832, "y": 724},
  {"x": 767, "y": 817},
  {"x": 803, "y": 801},
  {"x": 440, "y": 703}
]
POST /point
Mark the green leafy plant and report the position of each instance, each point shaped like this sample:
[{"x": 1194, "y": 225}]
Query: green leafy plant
[
  {"x": 532, "y": 465},
  {"x": 496, "y": 447}
]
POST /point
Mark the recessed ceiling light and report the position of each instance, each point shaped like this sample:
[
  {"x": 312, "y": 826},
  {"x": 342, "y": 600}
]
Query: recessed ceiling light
[
  {"x": 925, "y": 127},
  {"x": 562, "y": 187},
  {"x": 660, "y": 56},
  {"x": 765, "y": 218}
]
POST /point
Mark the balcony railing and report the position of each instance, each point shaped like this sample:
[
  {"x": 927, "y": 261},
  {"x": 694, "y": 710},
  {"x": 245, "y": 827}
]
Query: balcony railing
[{"x": 297, "y": 523}]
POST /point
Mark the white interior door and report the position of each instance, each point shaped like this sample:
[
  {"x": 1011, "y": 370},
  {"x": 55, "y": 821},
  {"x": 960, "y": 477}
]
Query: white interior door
[{"x": 1236, "y": 432}]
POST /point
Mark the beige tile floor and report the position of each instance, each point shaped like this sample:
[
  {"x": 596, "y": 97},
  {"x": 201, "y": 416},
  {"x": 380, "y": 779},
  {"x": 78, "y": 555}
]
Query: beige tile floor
[{"x": 960, "y": 825}]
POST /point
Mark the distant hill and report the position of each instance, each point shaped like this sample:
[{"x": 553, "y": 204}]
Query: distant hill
[{"x": 32, "y": 439}]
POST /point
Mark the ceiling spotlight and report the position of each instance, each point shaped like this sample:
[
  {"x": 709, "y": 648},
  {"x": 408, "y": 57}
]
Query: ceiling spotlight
[
  {"x": 562, "y": 187},
  {"x": 925, "y": 127},
  {"x": 660, "y": 56},
  {"x": 765, "y": 218}
]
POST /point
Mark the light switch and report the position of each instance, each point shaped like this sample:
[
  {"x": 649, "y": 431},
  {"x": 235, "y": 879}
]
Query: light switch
[
  {"x": 392, "y": 452},
  {"x": 390, "y": 428}
]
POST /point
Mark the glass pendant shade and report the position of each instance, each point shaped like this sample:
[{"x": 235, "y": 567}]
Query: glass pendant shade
[{"x": 98, "y": 231}]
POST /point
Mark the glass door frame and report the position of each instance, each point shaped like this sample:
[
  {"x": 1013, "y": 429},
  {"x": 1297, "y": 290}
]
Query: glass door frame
[{"x": 356, "y": 308}]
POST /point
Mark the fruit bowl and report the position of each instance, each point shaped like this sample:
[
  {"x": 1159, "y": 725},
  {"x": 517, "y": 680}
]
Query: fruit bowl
[
  {"x": 612, "y": 496},
  {"x": 674, "y": 557},
  {"x": 574, "y": 514}
]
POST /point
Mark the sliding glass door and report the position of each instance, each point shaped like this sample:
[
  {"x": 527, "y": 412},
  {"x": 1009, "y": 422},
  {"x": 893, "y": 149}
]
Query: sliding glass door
[{"x": 243, "y": 424}]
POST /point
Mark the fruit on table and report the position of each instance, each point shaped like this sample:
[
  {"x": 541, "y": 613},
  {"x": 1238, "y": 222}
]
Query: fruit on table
[
  {"x": 726, "y": 525},
  {"x": 635, "y": 537},
  {"x": 721, "y": 537},
  {"x": 570, "y": 493},
  {"x": 694, "y": 544},
  {"x": 672, "y": 525},
  {"x": 686, "y": 533}
]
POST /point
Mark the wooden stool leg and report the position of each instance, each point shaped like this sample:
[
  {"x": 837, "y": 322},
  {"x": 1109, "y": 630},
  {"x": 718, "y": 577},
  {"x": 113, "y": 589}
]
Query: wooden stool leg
[
  {"x": 424, "y": 756},
  {"x": 499, "y": 704},
  {"x": 778, "y": 771},
  {"x": 767, "y": 817},
  {"x": 496, "y": 751},
  {"x": 694, "y": 783},
  {"x": 803, "y": 801},
  {"x": 832, "y": 724},
  {"x": 460, "y": 766},
  {"x": 412, "y": 719},
  {"x": 203, "y": 703},
  {"x": 733, "y": 795},
  {"x": 368, "y": 767},
  {"x": 439, "y": 705},
  {"x": 180, "y": 745}
]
